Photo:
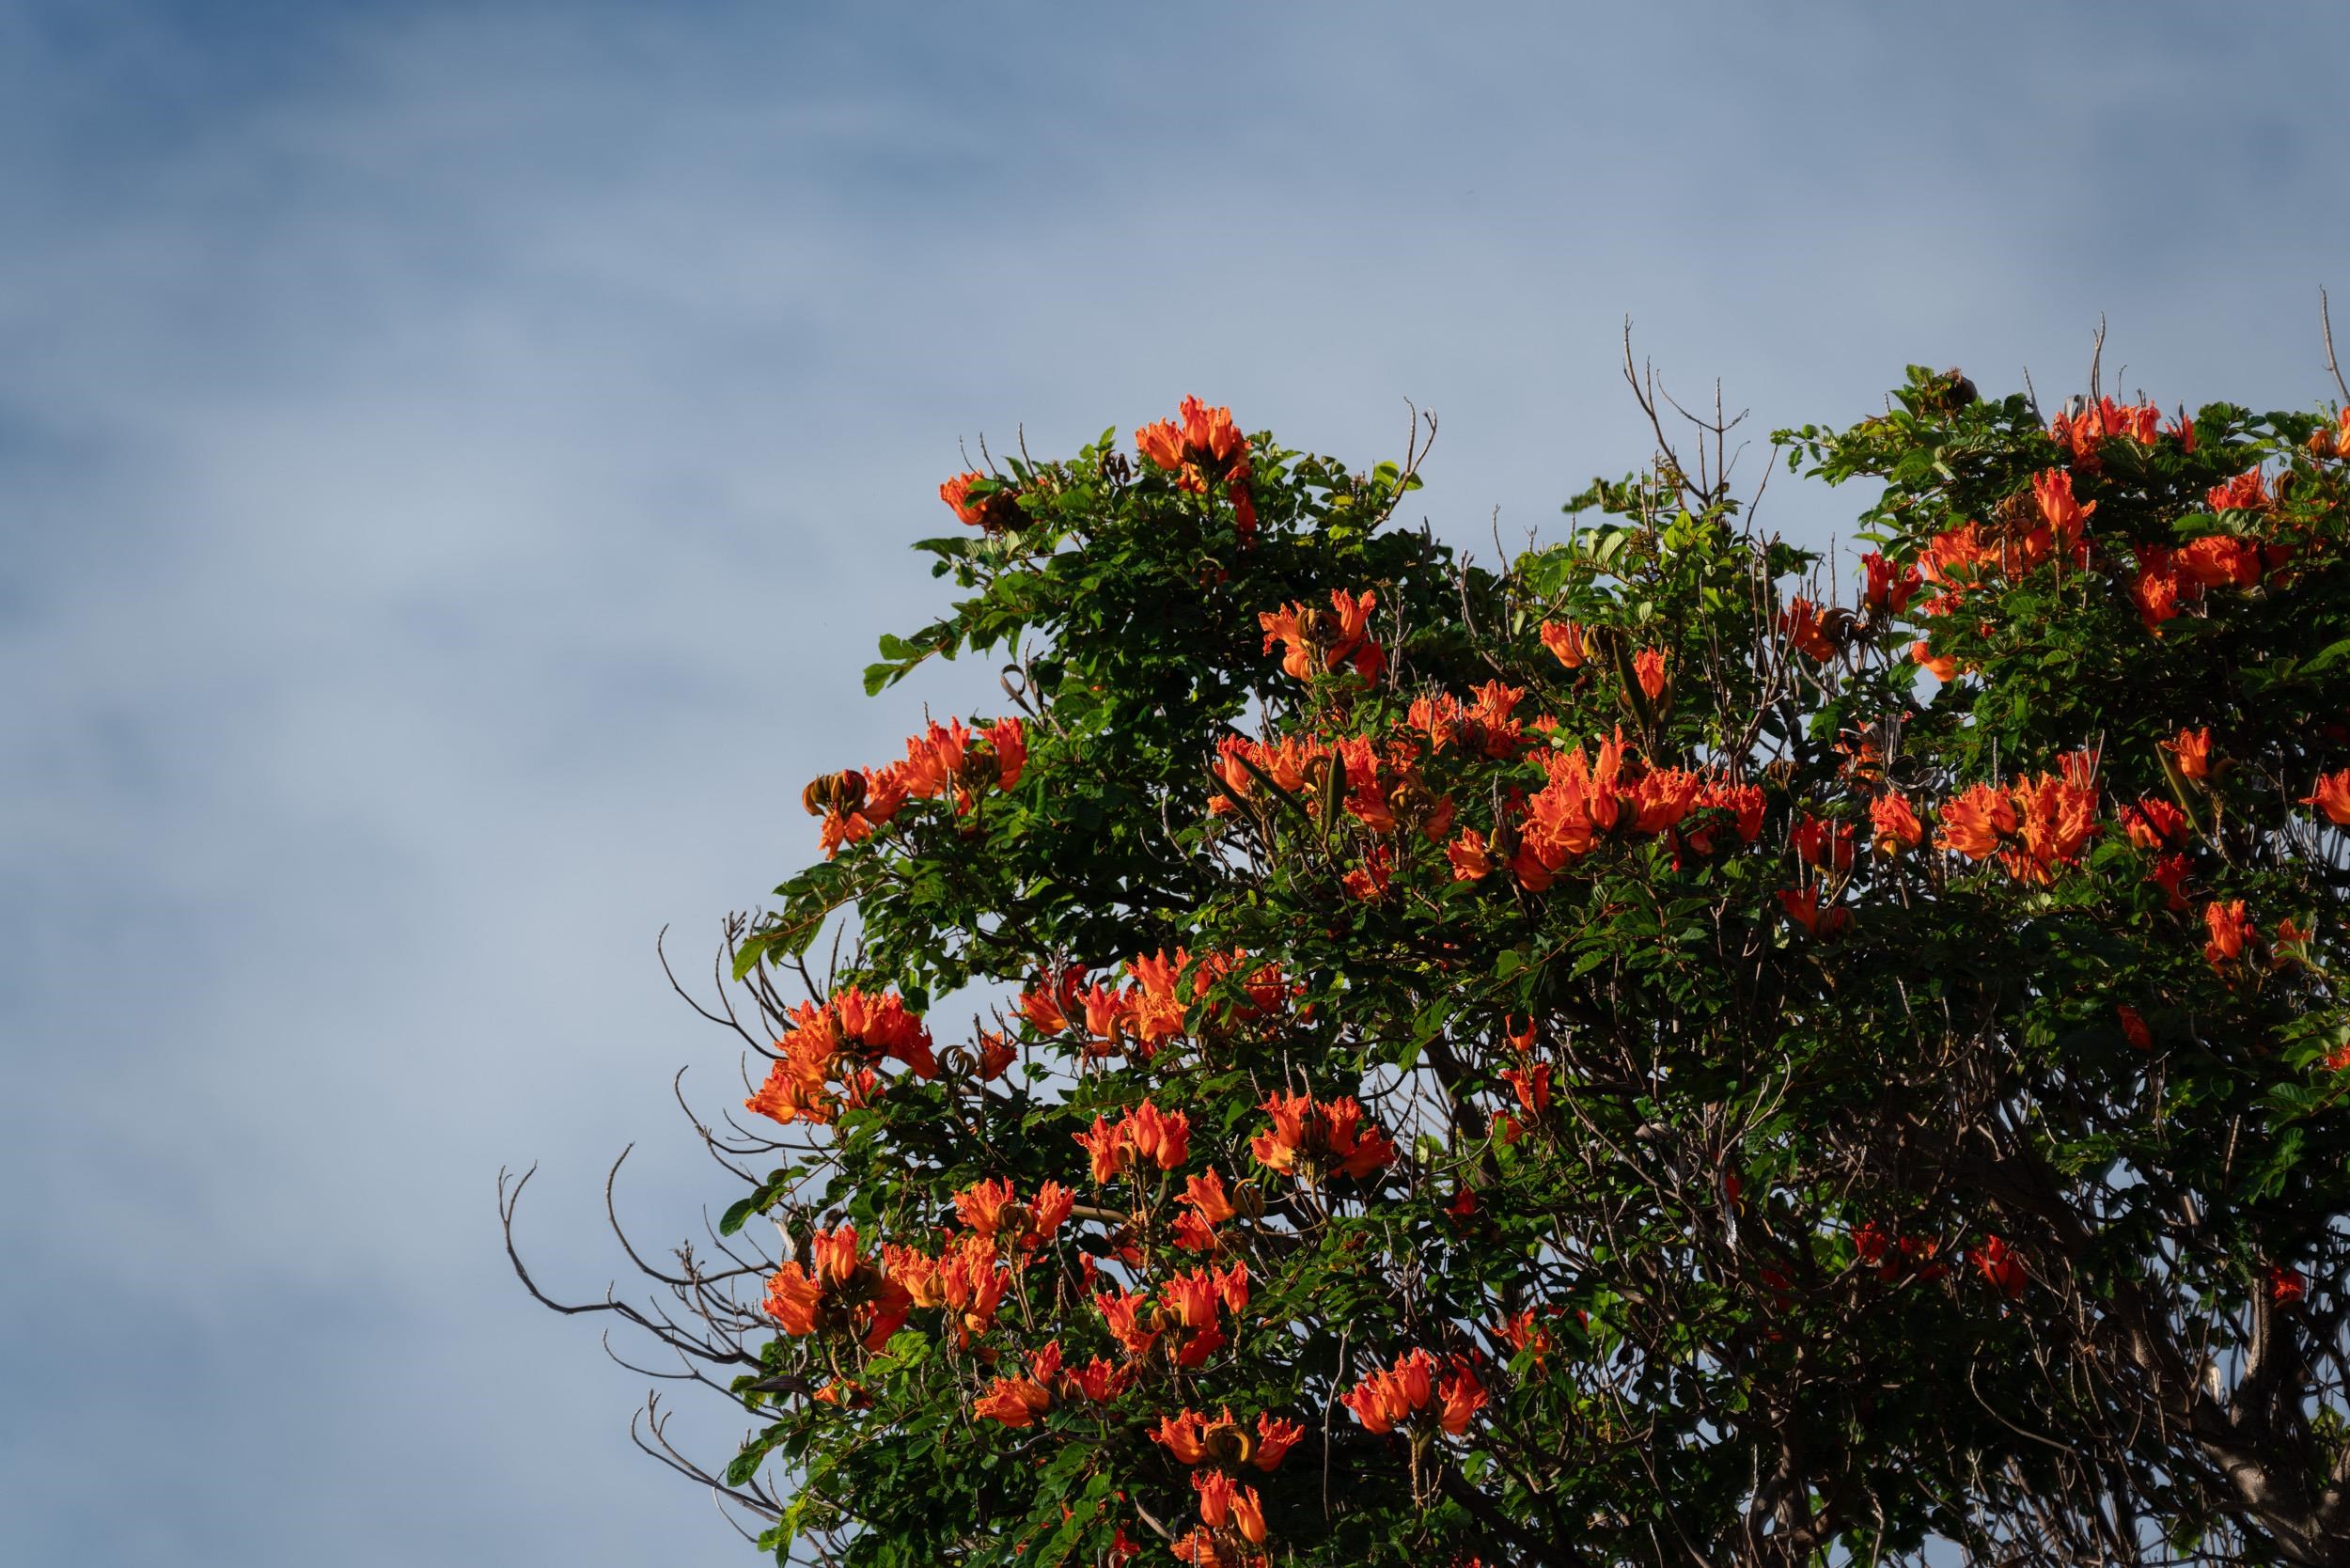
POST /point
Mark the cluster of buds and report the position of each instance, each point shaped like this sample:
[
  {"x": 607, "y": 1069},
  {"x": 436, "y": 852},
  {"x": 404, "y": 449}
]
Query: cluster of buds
[
  {"x": 1313, "y": 1139},
  {"x": 1315, "y": 641},
  {"x": 1410, "y": 1392},
  {"x": 1183, "y": 1317},
  {"x": 840, "y": 1040},
  {"x": 834, "y": 1292}
]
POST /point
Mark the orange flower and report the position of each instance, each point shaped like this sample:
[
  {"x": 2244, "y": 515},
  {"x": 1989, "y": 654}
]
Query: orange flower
[
  {"x": 1803, "y": 907},
  {"x": 840, "y": 1293},
  {"x": 1800, "y": 625},
  {"x": 2066, "y": 516},
  {"x": 1884, "y": 591},
  {"x": 1316, "y": 641},
  {"x": 1111, "y": 1153},
  {"x": 2151, "y": 823},
  {"x": 1975, "y": 822},
  {"x": 838, "y": 1039},
  {"x": 1049, "y": 1003},
  {"x": 2157, "y": 595},
  {"x": 1383, "y": 1398},
  {"x": 1468, "y": 855},
  {"x": 1215, "y": 1497},
  {"x": 1162, "y": 1137},
  {"x": 1121, "y": 1311},
  {"x": 2085, "y": 430},
  {"x": 2332, "y": 797},
  {"x": 1942, "y": 668},
  {"x": 1898, "y": 827},
  {"x": 1522, "y": 1334},
  {"x": 994, "y": 511},
  {"x": 1206, "y": 1195},
  {"x": 1823, "y": 843},
  {"x": 2134, "y": 1027},
  {"x": 1019, "y": 1401},
  {"x": 2190, "y": 752},
  {"x": 1275, "y": 1436},
  {"x": 1460, "y": 1398},
  {"x": 2247, "y": 492},
  {"x": 1248, "y": 1515},
  {"x": 1530, "y": 1085},
  {"x": 1310, "y": 1140},
  {"x": 1647, "y": 667},
  {"x": 1183, "y": 1435},
  {"x": 1998, "y": 1263},
  {"x": 1564, "y": 639},
  {"x": 2229, "y": 930},
  {"x": 996, "y": 1054}
]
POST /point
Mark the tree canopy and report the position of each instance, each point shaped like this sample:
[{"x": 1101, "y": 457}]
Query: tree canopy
[{"x": 1670, "y": 1048}]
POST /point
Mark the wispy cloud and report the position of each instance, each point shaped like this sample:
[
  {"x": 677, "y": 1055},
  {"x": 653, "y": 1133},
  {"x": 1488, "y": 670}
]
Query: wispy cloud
[{"x": 454, "y": 461}]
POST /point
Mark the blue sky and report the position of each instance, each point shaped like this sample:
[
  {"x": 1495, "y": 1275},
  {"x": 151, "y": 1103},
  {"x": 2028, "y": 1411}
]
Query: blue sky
[{"x": 455, "y": 459}]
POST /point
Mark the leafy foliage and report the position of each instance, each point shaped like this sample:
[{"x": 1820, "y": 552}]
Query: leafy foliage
[{"x": 1601, "y": 1060}]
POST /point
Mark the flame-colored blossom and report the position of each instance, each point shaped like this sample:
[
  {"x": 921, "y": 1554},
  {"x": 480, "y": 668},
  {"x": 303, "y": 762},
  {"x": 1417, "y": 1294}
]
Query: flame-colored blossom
[
  {"x": 1999, "y": 1264},
  {"x": 1647, "y": 667},
  {"x": 1817, "y": 843},
  {"x": 1564, "y": 639},
  {"x": 2229, "y": 930},
  {"x": 838, "y": 1039},
  {"x": 1898, "y": 829},
  {"x": 1884, "y": 590},
  {"x": 1317, "y": 640},
  {"x": 1800, "y": 624},
  {"x": 2190, "y": 752},
  {"x": 2154, "y": 822},
  {"x": 838, "y": 1291},
  {"x": 1019, "y": 1401},
  {"x": 2247, "y": 492},
  {"x": 2134, "y": 1027},
  {"x": 1312, "y": 1139},
  {"x": 1531, "y": 1085},
  {"x": 2084, "y": 429},
  {"x": 1803, "y": 907},
  {"x": 1470, "y": 857},
  {"x": 2033, "y": 825},
  {"x": 1459, "y": 1397},
  {"x": 2332, "y": 797}
]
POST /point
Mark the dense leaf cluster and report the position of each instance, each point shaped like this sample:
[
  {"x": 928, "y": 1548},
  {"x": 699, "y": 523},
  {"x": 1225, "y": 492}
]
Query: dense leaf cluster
[{"x": 1605, "y": 1059}]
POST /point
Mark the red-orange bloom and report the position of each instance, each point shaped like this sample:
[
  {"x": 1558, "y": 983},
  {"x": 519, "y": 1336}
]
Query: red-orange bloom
[
  {"x": 1121, "y": 1311},
  {"x": 1898, "y": 829},
  {"x": 1460, "y": 1398},
  {"x": 1470, "y": 860},
  {"x": 1647, "y": 667},
  {"x": 1817, "y": 843},
  {"x": 841, "y": 1039},
  {"x": 1206, "y": 1195},
  {"x": 2247, "y": 492},
  {"x": 1531, "y": 1085},
  {"x": 839, "y": 1292},
  {"x": 1312, "y": 1139},
  {"x": 2085, "y": 430},
  {"x": 1998, "y": 1263},
  {"x": 2154, "y": 822},
  {"x": 2332, "y": 797},
  {"x": 2064, "y": 516},
  {"x": 1800, "y": 625},
  {"x": 2190, "y": 752},
  {"x": 994, "y": 511},
  {"x": 1317, "y": 640},
  {"x": 1802, "y": 905},
  {"x": 2033, "y": 825},
  {"x": 2134, "y": 1027},
  {"x": 1019, "y": 1401},
  {"x": 1564, "y": 639},
  {"x": 2230, "y": 929},
  {"x": 1884, "y": 590},
  {"x": 1161, "y": 1137}
]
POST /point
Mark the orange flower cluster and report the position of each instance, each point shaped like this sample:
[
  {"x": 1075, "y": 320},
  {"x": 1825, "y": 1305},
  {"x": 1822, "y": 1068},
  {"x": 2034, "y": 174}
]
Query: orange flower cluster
[
  {"x": 1898, "y": 829},
  {"x": 1205, "y": 448},
  {"x": 1380, "y": 787},
  {"x": 1206, "y": 1205},
  {"x": 1310, "y": 1140},
  {"x": 1019, "y": 1401},
  {"x": 1806, "y": 631},
  {"x": 837, "y": 1293},
  {"x": 1895, "y": 1257},
  {"x": 1586, "y": 801},
  {"x": 2087, "y": 429},
  {"x": 1144, "y": 1137},
  {"x": 1194, "y": 1439},
  {"x": 1481, "y": 729},
  {"x": 946, "y": 759},
  {"x": 992, "y": 1209},
  {"x": 967, "y": 1278},
  {"x": 1999, "y": 1264},
  {"x": 2230, "y": 932},
  {"x": 994, "y": 510},
  {"x": 1314, "y": 641},
  {"x": 2034, "y": 827},
  {"x": 1884, "y": 591},
  {"x": 1386, "y": 1400},
  {"x": 2170, "y": 578},
  {"x": 842, "y": 1038},
  {"x": 1185, "y": 1314}
]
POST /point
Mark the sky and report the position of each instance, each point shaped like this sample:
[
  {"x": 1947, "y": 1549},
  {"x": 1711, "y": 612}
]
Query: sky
[{"x": 455, "y": 459}]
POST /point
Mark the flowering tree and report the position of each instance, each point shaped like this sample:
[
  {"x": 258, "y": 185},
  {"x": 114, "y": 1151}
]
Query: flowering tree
[{"x": 1659, "y": 1051}]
